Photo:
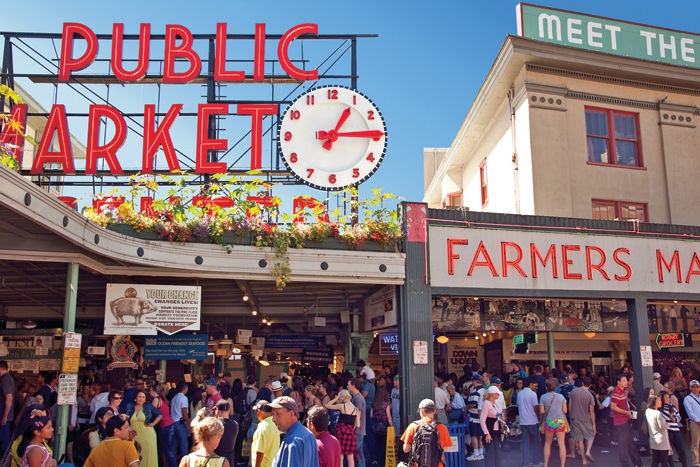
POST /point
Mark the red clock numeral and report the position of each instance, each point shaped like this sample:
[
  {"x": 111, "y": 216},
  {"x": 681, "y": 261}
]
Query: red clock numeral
[
  {"x": 295, "y": 114},
  {"x": 288, "y": 136},
  {"x": 311, "y": 172},
  {"x": 331, "y": 178},
  {"x": 355, "y": 173},
  {"x": 309, "y": 100},
  {"x": 333, "y": 94},
  {"x": 293, "y": 157},
  {"x": 354, "y": 100},
  {"x": 370, "y": 157},
  {"x": 370, "y": 115}
]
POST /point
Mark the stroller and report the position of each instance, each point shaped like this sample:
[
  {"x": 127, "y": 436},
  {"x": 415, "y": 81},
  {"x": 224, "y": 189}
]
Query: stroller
[{"x": 512, "y": 433}]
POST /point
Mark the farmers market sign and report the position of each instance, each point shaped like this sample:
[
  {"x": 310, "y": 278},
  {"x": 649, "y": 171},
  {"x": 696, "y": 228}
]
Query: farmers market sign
[{"x": 607, "y": 35}]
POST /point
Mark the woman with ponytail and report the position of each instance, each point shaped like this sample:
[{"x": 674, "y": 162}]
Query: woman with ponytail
[{"x": 31, "y": 448}]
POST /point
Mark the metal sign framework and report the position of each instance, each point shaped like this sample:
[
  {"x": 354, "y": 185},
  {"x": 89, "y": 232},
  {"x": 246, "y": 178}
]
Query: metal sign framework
[{"x": 85, "y": 84}]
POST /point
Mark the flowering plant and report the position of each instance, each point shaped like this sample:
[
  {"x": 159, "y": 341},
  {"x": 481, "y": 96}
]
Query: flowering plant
[{"x": 225, "y": 215}]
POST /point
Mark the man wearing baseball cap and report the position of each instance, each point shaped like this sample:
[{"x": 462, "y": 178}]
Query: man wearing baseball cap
[
  {"x": 213, "y": 395},
  {"x": 299, "y": 445},
  {"x": 658, "y": 387},
  {"x": 692, "y": 407},
  {"x": 419, "y": 437},
  {"x": 474, "y": 402},
  {"x": 266, "y": 439}
]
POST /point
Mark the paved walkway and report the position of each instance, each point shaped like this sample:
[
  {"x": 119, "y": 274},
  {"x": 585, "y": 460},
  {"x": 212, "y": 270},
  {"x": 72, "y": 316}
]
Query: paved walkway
[{"x": 604, "y": 457}]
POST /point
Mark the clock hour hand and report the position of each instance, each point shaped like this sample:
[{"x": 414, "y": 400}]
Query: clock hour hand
[
  {"x": 344, "y": 116},
  {"x": 331, "y": 136}
]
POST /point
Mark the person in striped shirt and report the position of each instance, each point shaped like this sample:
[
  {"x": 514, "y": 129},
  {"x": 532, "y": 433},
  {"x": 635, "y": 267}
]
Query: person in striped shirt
[{"x": 673, "y": 420}]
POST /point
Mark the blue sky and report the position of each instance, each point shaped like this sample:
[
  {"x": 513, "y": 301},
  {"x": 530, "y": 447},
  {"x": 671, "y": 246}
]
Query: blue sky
[{"x": 423, "y": 71}]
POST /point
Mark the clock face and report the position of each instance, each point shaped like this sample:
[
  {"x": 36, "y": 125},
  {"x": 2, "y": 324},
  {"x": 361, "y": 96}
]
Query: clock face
[{"x": 332, "y": 137}]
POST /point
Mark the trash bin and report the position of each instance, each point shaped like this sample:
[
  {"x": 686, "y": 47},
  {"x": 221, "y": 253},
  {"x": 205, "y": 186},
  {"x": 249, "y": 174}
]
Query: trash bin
[{"x": 455, "y": 456}]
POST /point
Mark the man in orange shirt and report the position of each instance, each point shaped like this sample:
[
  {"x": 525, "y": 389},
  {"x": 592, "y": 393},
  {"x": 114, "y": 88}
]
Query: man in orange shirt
[{"x": 426, "y": 439}]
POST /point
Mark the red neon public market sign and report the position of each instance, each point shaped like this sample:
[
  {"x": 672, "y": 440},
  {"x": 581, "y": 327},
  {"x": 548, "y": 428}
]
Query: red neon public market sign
[{"x": 178, "y": 45}]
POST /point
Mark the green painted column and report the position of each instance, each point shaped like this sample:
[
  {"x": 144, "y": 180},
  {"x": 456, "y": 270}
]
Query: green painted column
[
  {"x": 550, "y": 350},
  {"x": 360, "y": 342},
  {"x": 71, "y": 300}
]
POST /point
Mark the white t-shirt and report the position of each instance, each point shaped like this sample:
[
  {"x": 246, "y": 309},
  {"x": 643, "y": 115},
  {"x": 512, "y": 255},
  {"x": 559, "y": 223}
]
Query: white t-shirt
[
  {"x": 442, "y": 399},
  {"x": 368, "y": 372},
  {"x": 527, "y": 400}
]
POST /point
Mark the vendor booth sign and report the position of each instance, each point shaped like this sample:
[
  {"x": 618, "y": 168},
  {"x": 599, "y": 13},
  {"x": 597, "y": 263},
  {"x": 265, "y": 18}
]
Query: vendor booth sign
[
  {"x": 669, "y": 341},
  {"x": 181, "y": 347},
  {"x": 140, "y": 309}
]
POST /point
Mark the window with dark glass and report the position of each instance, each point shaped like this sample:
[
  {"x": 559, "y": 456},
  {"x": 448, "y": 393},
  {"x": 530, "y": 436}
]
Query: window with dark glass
[
  {"x": 619, "y": 210},
  {"x": 612, "y": 137}
]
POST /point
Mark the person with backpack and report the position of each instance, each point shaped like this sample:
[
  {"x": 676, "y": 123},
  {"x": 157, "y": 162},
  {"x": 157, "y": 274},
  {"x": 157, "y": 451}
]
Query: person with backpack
[
  {"x": 242, "y": 406},
  {"x": 425, "y": 440}
]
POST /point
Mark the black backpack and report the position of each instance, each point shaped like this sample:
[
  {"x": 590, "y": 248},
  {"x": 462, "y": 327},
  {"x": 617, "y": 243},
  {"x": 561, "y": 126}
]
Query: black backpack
[{"x": 425, "y": 448}]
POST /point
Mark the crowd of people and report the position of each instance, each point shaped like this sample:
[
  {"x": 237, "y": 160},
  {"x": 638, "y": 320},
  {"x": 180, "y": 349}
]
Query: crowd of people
[
  {"x": 222, "y": 421},
  {"x": 319, "y": 418},
  {"x": 537, "y": 405}
]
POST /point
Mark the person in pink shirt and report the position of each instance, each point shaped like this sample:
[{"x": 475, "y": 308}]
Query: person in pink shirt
[
  {"x": 328, "y": 446},
  {"x": 488, "y": 419}
]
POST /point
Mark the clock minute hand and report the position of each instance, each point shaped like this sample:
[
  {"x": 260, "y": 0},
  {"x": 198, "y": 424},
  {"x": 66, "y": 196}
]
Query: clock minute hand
[{"x": 375, "y": 134}]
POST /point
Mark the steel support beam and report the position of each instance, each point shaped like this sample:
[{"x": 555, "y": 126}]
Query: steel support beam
[
  {"x": 639, "y": 336},
  {"x": 68, "y": 326},
  {"x": 415, "y": 317}
]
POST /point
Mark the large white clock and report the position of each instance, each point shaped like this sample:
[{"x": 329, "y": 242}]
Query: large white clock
[{"x": 332, "y": 137}]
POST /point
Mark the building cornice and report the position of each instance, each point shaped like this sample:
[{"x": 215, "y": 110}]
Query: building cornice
[
  {"x": 517, "y": 52},
  {"x": 107, "y": 252}
]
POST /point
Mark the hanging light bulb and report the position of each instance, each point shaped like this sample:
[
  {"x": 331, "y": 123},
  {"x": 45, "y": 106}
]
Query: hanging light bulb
[
  {"x": 264, "y": 320},
  {"x": 254, "y": 312},
  {"x": 269, "y": 323},
  {"x": 484, "y": 334},
  {"x": 245, "y": 298}
]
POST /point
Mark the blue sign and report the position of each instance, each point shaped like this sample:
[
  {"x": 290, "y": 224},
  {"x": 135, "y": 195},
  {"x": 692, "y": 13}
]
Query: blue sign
[
  {"x": 294, "y": 342},
  {"x": 176, "y": 347}
]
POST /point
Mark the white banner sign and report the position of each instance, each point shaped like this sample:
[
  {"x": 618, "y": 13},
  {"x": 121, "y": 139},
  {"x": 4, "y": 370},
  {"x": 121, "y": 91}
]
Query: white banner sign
[
  {"x": 381, "y": 309},
  {"x": 536, "y": 260},
  {"x": 138, "y": 309},
  {"x": 67, "y": 388}
]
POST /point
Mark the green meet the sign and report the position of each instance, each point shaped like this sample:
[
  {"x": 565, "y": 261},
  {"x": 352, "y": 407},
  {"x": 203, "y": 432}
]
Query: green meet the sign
[
  {"x": 606, "y": 35},
  {"x": 670, "y": 340}
]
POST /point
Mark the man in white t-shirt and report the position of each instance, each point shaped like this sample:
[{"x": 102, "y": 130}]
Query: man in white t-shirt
[
  {"x": 442, "y": 403},
  {"x": 528, "y": 411},
  {"x": 366, "y": 370},
  {"x": 500, "y": 403}
]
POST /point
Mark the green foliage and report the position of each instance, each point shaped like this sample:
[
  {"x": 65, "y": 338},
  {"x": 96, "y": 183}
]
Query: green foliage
[{"x": 177, "y": 218}]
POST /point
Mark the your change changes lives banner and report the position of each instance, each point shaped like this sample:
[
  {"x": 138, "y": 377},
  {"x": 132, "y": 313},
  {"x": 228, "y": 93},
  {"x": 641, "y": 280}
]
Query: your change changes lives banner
[{"x": 140, "y": 309}]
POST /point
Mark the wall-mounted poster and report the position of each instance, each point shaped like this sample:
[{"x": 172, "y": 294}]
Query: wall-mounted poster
[
  {"x": 614, "y": 316},
  {"x": 574, "y": 315},
  {"x": 140, "y": 309},
  {"x": 456, "y": 314},
  {"x": 518, "y": 315}
]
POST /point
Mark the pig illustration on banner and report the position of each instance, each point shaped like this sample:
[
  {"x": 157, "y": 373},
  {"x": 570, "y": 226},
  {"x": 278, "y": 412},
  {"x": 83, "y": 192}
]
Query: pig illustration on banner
[
  {"x": 131, "y": 306},
  {"x": 146, "y": 309}
]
